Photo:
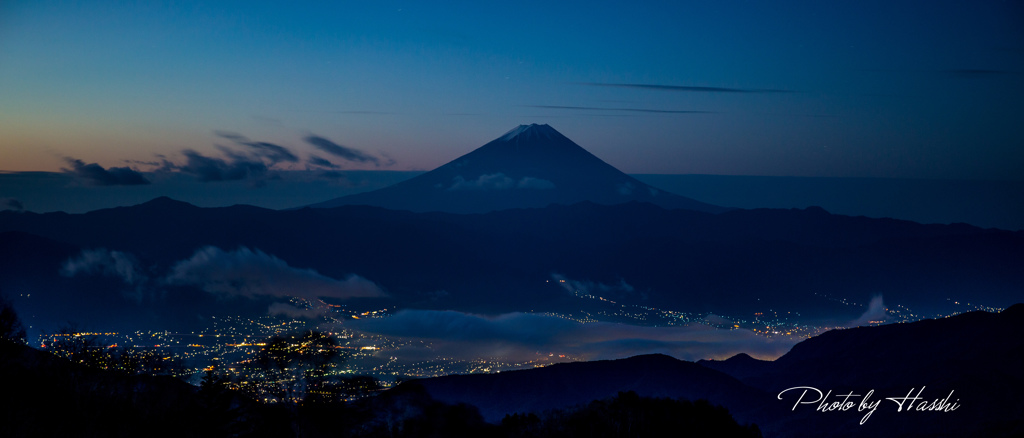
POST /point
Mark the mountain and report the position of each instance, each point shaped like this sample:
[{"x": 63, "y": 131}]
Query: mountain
[{"x": 530, "y": 166}]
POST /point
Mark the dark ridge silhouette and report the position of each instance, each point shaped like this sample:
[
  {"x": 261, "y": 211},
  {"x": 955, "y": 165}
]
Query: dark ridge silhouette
[
  {"x": 739, "y": 366},
  {"x": 974, "y": 344},
  {"x": 978, "y": 356},
  {"x": 529, "y": 166},
  {"x": 50, "y": 396},
  {"x": 630, "y": 415},
  {"x": 727, "y": 261},
  {"x": 566, "y": 385}
]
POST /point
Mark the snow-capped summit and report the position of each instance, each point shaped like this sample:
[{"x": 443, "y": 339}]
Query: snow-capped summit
[
  {"x": 531, "y": 131},
  {"x": 529, "y": 166}
]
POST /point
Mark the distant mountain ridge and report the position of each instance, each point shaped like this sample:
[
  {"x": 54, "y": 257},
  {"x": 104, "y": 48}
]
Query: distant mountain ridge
[
  {"x": 680, "y": 259},
  {"x": 529, "y": 166}
]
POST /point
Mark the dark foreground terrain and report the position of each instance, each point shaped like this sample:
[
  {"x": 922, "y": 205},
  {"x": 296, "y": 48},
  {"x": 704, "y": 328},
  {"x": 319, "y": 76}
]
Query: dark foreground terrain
[{"x": 973, "y": 361}]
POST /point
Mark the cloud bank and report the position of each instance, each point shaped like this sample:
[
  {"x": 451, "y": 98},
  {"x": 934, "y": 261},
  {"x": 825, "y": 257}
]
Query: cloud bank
[
  {"x": 95, "y": 174},
  {"x": 252, "y": 273},
  {"x": 108, "y": 263},
  {"x": 102, "y": 261},
  {"x": 207, "y": 169},
  {"x": 244, "y": 272}
]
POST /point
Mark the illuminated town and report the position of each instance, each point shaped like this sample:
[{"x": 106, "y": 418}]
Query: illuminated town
[{"x": 232, "y": 346}]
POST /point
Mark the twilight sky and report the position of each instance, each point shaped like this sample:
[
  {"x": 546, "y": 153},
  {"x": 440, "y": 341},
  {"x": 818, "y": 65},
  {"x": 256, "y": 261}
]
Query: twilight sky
[{"x": 846, "y": 89}]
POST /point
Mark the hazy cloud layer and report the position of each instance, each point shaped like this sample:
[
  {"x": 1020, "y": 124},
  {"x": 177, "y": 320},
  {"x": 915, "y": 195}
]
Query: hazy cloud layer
[
  {"x": 95, "y": 174},
  {"x": 523, "y": 336},
  {"x": 685, "y": 88},
  {"x": 253, "y": 273},
  {"x": 529, "y": 182},
  {"x": 343, "y": 152},
  {"x": 498, "y": 181}
]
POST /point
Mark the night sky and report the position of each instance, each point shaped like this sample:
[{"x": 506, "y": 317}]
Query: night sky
[
  {"x": 835, "y": 89},
  {"x": 897, "y": 109}
]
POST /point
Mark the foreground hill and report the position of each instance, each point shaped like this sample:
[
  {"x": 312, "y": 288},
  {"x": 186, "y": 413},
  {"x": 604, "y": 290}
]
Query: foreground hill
[
  {"x": 55, "y": 397},
  {"x": 50, "y": 396},
  {"x": 977, "y": 357},
  {"x": 975, "y": 360}
]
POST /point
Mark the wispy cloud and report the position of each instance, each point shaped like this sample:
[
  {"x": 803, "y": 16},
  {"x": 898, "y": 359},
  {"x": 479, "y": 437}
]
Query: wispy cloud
[
  {"x": 978, "y": 73},
  {"x": 686, "y": 88},
  {"x": 95, "y": 174},
  {"x": 272, "y": 152},
  {"x": 321, "y": 162},
  {"x": 635, "y": 110},
  {"x": 343, "y": 152},
  {"x": 361, "y": 112},
  {"x": 379, "y": 113}
]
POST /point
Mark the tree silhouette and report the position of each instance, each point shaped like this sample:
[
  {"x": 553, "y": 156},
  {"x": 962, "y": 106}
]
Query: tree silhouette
[
  {"x": 629, "y": 415},
  {"x": 69, "y": 342},
  {"x": 11, "y": 328},
  {"x": 288, "y": 366}
]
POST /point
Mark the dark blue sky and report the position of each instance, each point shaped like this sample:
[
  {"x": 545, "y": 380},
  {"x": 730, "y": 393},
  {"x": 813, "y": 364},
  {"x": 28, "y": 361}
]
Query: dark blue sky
[{"x": 864, "y": 89}]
